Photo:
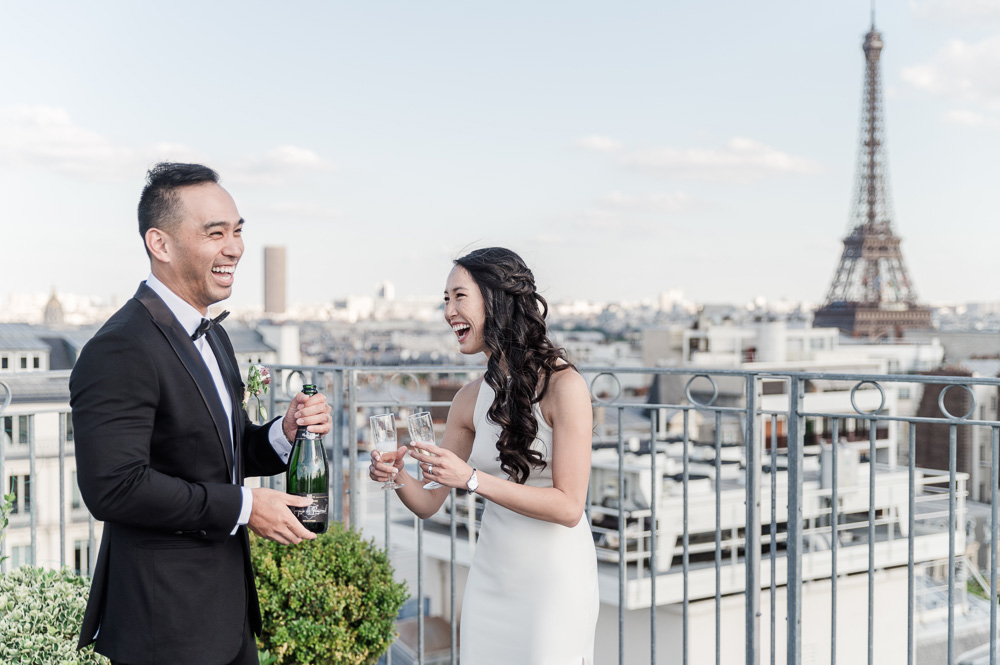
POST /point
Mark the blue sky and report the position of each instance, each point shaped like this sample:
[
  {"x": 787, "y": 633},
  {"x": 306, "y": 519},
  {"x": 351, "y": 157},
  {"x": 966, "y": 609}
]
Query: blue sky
[{"x": 623, "y": 148}]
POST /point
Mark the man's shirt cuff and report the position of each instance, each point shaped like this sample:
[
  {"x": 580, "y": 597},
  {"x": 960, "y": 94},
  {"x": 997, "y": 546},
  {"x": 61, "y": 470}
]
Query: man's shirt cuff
[
  {"x": 245, "y": 510},
  {"x": 281, "y": 446}
]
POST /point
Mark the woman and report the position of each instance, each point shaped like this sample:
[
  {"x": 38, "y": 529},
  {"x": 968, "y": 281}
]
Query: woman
[{"x": 520, "y": 437}]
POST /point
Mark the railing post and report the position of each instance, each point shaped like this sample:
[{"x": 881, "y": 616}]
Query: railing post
[
  {"x": 653, "y": 562},
  {"x": 62, "y": 488},
  {"x": 3, "y": 477},
  {"x": 952, "y": 490},
  {"x": 337, "y": 444},
  {"x": 622, "y": 549},
  {"x": 92, "y": 544},
  {"x": 752, "y": 556},
  {"x": 30, "y": 493},
  {"x": 834, "y": 536},
  {"x": 994, "y": 537},
  {"x": 911, "y": 589},
  {"x": 793, "y": 587},
  {"x": 718, "y": 538},
  {"x": 421, "y": 644},
  {"x": 452, "y": 616},
  {"x": 420, "y": 580},
  {"x": 685, "y": 554},
  {"x": 352, "y": 445},
  {"x": 872, "y": 452},
  {"x": 773, "y": 533}
]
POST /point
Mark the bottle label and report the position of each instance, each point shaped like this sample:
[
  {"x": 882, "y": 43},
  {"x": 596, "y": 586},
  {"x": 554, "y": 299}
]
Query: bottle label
[{"x": 315, "y": 511}]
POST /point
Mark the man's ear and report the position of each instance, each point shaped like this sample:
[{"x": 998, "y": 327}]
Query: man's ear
[{"x": 158, "y": 244}]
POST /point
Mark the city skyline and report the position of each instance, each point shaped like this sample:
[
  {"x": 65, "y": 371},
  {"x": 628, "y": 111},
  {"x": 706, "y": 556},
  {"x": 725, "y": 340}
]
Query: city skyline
[{"x": 625, "y": 151}]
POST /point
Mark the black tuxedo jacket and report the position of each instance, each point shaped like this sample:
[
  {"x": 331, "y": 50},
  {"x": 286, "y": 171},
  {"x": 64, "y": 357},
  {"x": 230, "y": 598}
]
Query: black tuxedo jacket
[{"x": 154, "y": 464}]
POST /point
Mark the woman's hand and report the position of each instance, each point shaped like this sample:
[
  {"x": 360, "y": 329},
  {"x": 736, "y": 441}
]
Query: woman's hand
[
  {"x": 441, "y": 465},
  {"x": 382, "y": 471}
]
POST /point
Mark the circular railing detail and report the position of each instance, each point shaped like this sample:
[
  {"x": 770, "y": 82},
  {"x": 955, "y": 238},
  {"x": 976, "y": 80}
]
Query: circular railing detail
[
  {"x": 7, "y": 396},
  {"x": 715, "y": 390},
  {"x": 618, "y": 385},
  {"x": 855, "y": 404},
  {"x": 945, "y": 390},
  {"x": 392, "y": 382},
  {"x": 288, "y": 380}
]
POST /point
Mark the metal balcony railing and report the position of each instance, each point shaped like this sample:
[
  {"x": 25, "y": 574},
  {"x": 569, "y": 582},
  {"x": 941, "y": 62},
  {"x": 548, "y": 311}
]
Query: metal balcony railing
[{"x": 732, "y": 524}]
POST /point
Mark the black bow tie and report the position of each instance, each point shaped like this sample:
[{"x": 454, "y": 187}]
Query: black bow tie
[{"x": 208, "y": 324}]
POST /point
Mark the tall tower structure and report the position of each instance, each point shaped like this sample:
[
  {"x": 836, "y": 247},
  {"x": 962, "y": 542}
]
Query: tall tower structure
[
  {"x": 274, "y": 280},
  {"x": 871, "y": 294}
]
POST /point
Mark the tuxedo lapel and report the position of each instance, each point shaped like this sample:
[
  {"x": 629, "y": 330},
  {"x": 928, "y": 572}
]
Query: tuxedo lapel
[
  {"x": 192, "y": 361},
  {"x": 232, "y": 377}
]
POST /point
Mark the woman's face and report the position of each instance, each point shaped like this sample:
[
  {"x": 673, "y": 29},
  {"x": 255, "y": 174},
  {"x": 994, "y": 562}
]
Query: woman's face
[{"x": 465, "y": 311}]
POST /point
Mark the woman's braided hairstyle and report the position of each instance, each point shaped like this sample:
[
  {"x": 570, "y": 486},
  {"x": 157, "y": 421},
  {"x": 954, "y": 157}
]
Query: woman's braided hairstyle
[{"x": 522, "y": 358}]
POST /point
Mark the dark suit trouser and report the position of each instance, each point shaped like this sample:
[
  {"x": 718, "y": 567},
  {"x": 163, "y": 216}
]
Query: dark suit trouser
[{"x": 247, "y": 654}]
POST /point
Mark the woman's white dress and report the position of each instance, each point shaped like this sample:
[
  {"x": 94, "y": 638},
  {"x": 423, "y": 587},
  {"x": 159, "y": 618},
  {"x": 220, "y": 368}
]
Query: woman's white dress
[{"x": 531, "y": 597}]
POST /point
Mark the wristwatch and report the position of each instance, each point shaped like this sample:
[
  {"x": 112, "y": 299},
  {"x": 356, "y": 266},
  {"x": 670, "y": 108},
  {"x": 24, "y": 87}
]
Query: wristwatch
[{"x": 473, "y": 483}]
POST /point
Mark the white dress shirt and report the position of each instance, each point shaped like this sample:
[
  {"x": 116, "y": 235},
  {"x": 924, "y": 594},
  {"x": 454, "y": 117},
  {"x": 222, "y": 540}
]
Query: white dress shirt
[{"x": 190, "y": 319}]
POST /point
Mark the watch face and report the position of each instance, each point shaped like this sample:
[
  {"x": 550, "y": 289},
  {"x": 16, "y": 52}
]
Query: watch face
[{"x": 473, "y": 483}]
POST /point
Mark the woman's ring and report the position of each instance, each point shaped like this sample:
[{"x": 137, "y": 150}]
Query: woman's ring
[{"x": 430, "y": 468}]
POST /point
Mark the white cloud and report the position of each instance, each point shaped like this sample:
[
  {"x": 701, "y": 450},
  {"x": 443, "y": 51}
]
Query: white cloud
[
  {"x": 605, "y": 221},
  {"x": 963, "y": 72},
  {"x": 48, "y": 138},
  {"x": 293, "y": 156},
  {"x": 277, "y": 166},
  {"x": 172, "y": 152},
  {"x": 972, "y": 119},
  {"x": 973, "y": 12},
  {"x": 625, "y": 214},
  {"x": 653, "y": 203},
  {"x": 557, "y": 240},
  {"x": 302, "y": 210},
  {"x": 598, "y": 143},
  {"x": 741, "y": 161}
]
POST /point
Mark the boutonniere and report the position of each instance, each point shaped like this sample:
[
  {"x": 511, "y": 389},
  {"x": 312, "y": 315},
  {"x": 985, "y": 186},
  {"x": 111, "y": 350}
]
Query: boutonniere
[{"x": 258, "y": 378}]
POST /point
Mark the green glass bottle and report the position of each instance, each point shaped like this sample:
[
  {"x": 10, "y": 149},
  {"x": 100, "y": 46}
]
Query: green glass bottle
[{"x": 308, "y": 475}]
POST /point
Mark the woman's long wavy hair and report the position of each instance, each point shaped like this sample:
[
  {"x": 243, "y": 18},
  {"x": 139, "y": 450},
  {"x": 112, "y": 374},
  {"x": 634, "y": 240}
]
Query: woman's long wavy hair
[{"x": 522, "y": 358}]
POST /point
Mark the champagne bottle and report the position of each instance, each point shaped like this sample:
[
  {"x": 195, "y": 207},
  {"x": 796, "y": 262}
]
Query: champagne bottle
[{"x": 307, "y": 475}]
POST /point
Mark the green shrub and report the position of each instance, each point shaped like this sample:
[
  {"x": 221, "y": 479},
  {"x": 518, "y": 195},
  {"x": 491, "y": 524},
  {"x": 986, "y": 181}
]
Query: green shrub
[
  {"x": 6, "y": 506},
  {"x": 40, "y": 615},
  {"x": 325, "y": 601}
]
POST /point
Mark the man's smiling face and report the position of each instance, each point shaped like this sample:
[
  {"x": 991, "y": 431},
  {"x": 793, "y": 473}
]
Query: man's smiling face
[{"x": 203, "y": 248}]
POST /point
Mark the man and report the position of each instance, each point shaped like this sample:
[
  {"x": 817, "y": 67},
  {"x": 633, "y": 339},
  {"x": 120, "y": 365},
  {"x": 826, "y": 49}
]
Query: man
[{"x": 163, "y": 445}]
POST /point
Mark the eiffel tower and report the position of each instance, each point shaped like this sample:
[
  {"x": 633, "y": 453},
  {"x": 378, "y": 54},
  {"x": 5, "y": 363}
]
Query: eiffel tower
[{"x": 871, "y": 294}]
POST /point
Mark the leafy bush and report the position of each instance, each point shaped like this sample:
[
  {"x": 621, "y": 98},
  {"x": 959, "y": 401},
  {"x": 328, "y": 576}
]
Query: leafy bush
[
  {"x": 40, "y": 615},
  {"x": 329, "y": 600},
  {"x": 6, "y": 506}
]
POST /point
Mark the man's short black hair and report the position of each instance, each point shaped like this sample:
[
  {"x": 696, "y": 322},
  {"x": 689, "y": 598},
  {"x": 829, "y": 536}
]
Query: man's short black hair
[{"x": 158, "y": 203}]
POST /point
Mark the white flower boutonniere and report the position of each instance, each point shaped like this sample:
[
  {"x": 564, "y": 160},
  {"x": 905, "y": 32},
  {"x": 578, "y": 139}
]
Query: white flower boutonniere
[{"x": 258, "y": 378}]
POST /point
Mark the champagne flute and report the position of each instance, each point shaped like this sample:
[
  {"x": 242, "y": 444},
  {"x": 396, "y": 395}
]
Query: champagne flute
[
  {"x": 384, "y": 437},
  {"x": 422, "y": 429}
]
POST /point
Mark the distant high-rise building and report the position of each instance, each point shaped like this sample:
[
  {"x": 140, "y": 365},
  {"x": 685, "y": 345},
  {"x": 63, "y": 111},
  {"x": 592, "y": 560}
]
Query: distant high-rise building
[
  {"x": 274, "y": 280},
  {"x": 871, "y": 294},
  {"x": 386, "y": 290}
]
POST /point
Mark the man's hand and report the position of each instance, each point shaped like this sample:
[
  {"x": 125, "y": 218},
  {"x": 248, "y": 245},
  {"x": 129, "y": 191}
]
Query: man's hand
[
  {"x": 270, "y": 517},
  {"x": 313, "y": 412}
]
